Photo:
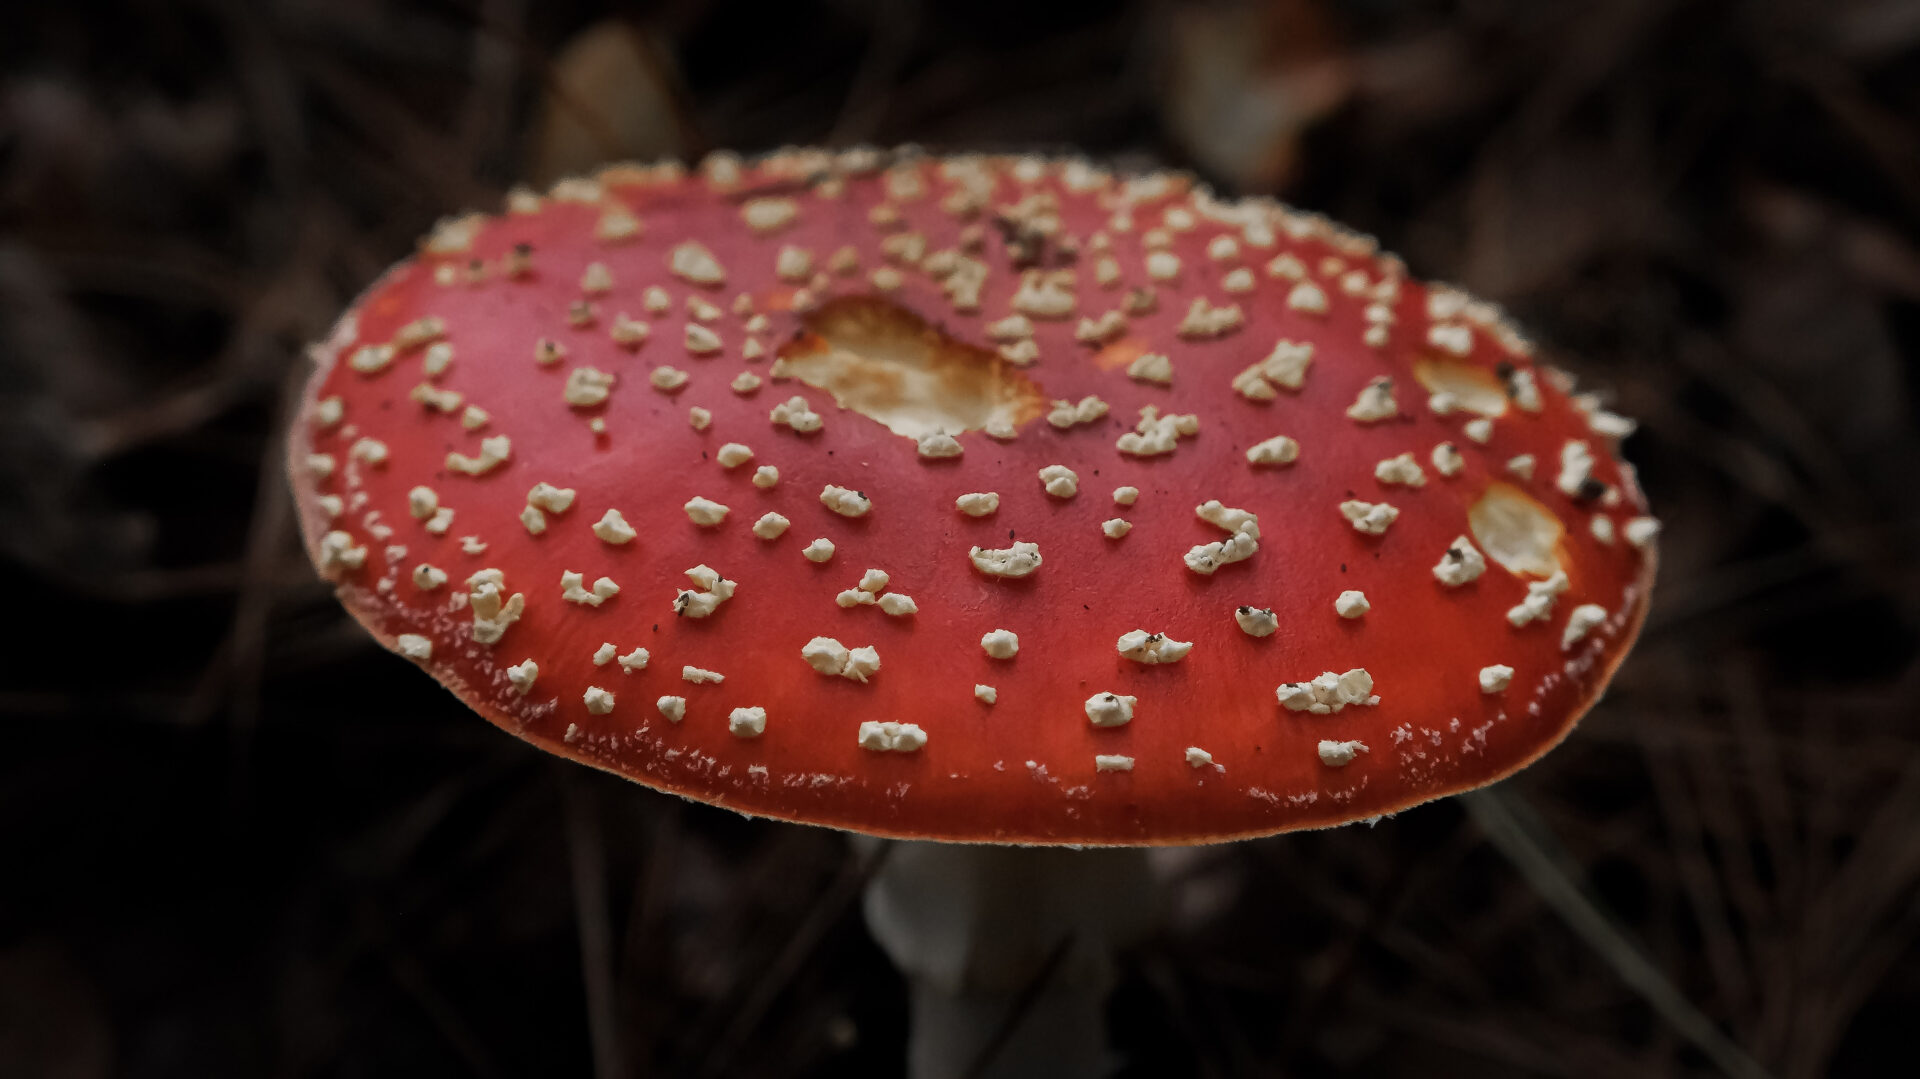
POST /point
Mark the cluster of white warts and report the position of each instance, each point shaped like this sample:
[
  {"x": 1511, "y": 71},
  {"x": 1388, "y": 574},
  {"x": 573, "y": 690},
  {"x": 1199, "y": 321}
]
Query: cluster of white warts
[{"x": 587, "y": 387}]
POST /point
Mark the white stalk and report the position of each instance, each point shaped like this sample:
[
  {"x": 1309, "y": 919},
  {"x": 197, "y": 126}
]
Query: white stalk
[{"x": 1009, "y": 952}]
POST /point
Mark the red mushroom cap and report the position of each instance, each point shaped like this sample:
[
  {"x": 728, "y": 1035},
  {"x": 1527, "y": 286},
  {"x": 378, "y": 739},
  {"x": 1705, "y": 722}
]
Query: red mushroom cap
[{"x": 1285, "y": 538}]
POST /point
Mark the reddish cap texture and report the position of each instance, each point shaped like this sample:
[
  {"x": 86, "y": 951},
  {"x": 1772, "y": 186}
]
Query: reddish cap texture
[{"x": 1192, "y": 519}]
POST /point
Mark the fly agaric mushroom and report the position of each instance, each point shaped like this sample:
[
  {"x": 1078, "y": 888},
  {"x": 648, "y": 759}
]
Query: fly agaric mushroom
[{"x": 523, "y": 461}]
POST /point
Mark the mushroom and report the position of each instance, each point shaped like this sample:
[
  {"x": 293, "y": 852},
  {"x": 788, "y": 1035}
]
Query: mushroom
[{"x": 1044, "y": 678}]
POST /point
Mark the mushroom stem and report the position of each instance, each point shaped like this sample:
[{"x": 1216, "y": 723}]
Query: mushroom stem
[{"x": 1009, "y": 952}]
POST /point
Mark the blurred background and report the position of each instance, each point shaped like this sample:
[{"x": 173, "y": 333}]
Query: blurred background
[{"x": 236, "y": 839}]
